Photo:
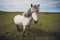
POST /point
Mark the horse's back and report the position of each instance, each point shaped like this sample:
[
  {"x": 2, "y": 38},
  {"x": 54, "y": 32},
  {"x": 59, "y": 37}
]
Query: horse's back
[{"x": 17, "y": 19}]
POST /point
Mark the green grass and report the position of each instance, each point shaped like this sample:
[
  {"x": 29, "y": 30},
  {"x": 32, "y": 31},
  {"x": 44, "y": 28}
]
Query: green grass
[{"x": 48, "y": 22}]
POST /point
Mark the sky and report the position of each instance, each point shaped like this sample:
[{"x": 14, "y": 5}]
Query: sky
[{"x": 24, "y": 5}]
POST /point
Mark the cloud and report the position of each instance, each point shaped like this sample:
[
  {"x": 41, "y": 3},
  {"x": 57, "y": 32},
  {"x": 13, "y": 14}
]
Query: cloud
[
  {"x": 55, "y": 3},
  {"x": 23, "y": 5},
  {"x": 13, "y": 5}
]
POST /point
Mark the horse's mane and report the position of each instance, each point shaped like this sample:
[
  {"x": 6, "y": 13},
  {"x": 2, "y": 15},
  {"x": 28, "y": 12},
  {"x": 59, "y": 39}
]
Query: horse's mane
[{"x": 28, "y": 13}]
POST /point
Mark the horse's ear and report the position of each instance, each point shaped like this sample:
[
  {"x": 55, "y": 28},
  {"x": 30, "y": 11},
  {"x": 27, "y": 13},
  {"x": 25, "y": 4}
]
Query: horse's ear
[
  {"x": 31, "y": 5},
  {"x": 38, "y": 5}
]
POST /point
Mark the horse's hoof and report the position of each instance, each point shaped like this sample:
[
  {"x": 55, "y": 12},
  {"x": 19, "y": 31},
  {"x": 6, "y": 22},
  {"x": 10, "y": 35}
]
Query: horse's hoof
[{"x": 23, "y": 35}]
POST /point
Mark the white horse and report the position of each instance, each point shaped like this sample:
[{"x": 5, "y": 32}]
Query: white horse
[{"x": 26, "y": 18}]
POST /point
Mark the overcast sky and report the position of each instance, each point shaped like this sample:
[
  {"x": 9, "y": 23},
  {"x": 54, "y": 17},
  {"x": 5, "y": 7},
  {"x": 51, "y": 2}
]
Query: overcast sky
[{"x": 23, "y": 5}]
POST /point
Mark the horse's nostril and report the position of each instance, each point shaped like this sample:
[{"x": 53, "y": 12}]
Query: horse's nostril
[{"x": 36, "y": 21}]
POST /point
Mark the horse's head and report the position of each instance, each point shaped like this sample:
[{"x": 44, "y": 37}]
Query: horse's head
[{"x": 35, "y": 12}]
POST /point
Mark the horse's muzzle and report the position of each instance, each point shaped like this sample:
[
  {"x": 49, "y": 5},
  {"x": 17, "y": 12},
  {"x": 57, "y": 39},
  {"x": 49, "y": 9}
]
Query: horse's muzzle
[{"x": 36, "y": 21}]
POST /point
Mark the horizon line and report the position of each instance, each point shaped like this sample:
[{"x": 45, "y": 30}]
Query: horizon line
[
  {"x": 21, "y": 11},
  {"x": 24, "y": 11}
]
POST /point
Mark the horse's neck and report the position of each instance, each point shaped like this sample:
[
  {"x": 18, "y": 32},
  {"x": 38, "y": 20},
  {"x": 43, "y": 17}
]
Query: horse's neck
[{"x": 28, "y": 13}]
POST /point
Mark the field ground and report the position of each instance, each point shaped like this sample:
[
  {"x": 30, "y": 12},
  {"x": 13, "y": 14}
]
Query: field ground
[{"x": 47, "y": 28}]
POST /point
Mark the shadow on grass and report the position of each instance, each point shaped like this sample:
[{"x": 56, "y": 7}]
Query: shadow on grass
[
  {"x": 35, "y": 34},
  {"x": 38, "y": 32},
  {"x": 3, "y": 36},
  {"x": 51, "y": 35}
]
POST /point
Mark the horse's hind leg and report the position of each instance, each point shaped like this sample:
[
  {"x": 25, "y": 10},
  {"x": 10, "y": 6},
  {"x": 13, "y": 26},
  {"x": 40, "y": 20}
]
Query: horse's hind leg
[{"x": 18, "y": 27}]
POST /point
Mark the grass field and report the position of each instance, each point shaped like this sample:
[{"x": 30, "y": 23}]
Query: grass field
[{"x": 47, "y": 28}]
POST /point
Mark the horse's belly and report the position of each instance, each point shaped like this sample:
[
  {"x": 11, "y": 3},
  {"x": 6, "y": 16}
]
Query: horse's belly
[{"x": 21, "y": 20}]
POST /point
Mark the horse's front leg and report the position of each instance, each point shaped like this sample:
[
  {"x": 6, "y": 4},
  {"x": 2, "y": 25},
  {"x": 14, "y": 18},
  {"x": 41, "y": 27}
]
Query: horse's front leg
[
  {"x": 28, "y": 29},
  {"x": 24, "y": 29}
]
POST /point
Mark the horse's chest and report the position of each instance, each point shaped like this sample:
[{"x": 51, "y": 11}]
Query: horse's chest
[{"x": 26, "y": 21}]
